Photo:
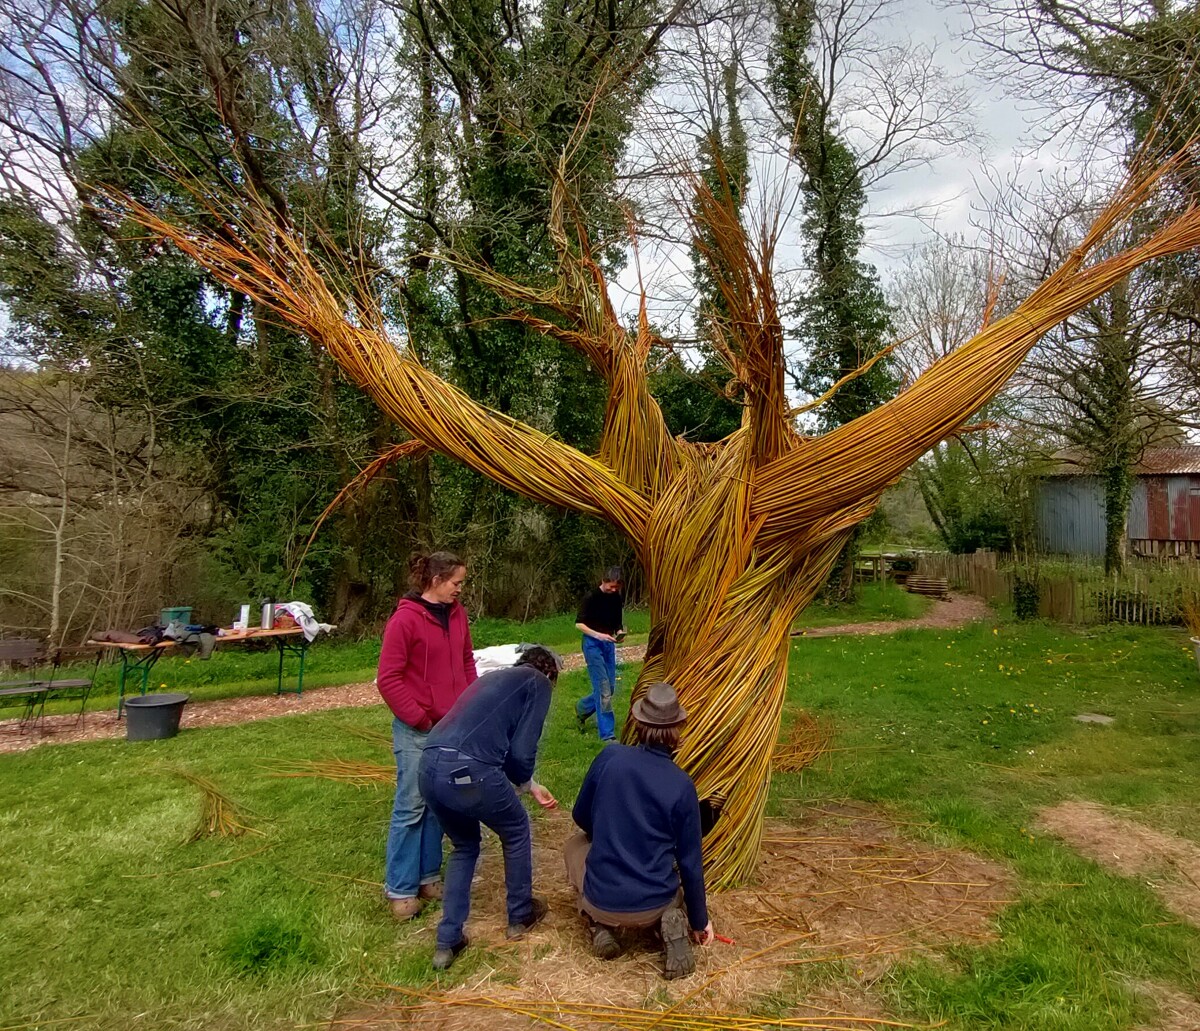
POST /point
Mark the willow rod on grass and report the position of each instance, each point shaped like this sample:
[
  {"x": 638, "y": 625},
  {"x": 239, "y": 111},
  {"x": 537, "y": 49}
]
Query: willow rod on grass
[
  {"x": 563, "y": 1014},
  {"x": 735, "y": 538}
]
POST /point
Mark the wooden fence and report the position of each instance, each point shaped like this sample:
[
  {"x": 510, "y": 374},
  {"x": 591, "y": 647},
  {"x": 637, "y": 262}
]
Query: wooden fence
[{"x": 1151, "y": 595}]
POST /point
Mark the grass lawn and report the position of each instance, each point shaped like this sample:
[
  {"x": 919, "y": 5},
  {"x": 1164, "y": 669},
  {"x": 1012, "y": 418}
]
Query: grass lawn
[
  {"x": 110, "y": 919},
  {"x": 879, "y": 601}
]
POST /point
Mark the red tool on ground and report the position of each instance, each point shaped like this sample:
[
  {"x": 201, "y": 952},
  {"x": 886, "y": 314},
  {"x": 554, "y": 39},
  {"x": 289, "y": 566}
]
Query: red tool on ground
[{"x": 722, "y": 938}]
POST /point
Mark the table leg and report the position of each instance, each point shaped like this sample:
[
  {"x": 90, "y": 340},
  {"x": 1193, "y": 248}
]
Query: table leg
[
  {"x": 300, "y": 649},
  {"x": 144, "y": 663},
  {"x": 121, "y": 687}
]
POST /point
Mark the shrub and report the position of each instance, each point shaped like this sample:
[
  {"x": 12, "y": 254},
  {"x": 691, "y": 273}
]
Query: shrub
[{"x": 1026, "y": 592}]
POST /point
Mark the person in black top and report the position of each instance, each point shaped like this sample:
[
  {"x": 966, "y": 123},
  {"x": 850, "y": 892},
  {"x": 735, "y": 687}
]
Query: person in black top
[
  {"x": 636, "y": 859},
  {"x": 601, "y": 621},
  {"x": 475, "y": 761}
]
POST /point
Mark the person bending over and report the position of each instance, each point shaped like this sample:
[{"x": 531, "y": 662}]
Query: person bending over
[{"x": 475, "y": 762}]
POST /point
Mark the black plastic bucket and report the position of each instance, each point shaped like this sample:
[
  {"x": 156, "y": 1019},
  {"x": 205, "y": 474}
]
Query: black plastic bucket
[{"x": 151, "y": 717}]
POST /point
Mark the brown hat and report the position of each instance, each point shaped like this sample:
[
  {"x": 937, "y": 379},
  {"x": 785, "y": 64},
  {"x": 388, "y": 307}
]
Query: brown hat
[{"x": 659, "y": 707}]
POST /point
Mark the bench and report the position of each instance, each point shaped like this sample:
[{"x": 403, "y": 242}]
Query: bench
[{"x": 32, "y": 692}]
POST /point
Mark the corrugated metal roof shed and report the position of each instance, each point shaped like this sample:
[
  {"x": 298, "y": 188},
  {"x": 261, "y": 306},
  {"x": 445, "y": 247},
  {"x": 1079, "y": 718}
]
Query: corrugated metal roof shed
[
  {"x": 1070, "y": 516},
  {"x": 1164, "y": 508},
  {"x": 1157, "y": 461}
]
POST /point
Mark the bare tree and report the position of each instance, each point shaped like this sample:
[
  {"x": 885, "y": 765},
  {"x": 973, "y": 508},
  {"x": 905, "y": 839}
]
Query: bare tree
[
  {"x": 1112, "y": 379},
  {"x": 94, "y": 526},
  {"x": 977, "y": 483}
]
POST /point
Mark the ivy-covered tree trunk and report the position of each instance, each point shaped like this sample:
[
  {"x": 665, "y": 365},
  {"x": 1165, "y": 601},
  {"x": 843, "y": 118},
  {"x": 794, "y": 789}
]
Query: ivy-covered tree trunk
[
  {"x": 1115, "y": 418},
  {"x": 843, "y": 315},
  {"x": 1118, "y": 492}
]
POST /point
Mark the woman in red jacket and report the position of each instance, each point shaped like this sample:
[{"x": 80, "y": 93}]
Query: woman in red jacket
[{"x": 425, "y": 663}]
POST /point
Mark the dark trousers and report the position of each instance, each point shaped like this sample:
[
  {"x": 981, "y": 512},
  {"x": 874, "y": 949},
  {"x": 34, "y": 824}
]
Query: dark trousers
[{"x": 464, "y": 793}]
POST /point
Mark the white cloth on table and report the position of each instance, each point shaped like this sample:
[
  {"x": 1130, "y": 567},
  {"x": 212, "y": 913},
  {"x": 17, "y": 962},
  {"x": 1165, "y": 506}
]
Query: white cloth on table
[{"x": 302, "y": 613}]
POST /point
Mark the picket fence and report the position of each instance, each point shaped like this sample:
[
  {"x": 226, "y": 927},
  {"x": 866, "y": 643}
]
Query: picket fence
[{"x": 1151, "y": 594}]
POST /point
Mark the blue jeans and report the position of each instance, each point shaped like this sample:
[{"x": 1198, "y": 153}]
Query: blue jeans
[
  {"x": 601, "y": 659},
  {"x": 414, "y": 845},
  {"x": 464, "y": 793}
]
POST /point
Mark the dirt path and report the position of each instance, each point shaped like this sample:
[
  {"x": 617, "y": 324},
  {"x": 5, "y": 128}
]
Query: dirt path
[
  {"x": 224, "y": 712},
  {"x": 942, "y": 615}
]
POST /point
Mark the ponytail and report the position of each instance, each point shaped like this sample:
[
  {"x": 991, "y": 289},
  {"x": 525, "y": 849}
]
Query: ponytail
[{"x": 424, "y": 569}]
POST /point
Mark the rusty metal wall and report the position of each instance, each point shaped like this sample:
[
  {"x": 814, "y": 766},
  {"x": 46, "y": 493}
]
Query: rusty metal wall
[{"x": 1166, "y": 508}]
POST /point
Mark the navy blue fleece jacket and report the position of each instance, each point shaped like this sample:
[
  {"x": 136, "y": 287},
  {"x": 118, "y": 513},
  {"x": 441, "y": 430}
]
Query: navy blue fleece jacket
[
  {"x": 641, "y": 812},
  {"x": 498, "y": 720}
]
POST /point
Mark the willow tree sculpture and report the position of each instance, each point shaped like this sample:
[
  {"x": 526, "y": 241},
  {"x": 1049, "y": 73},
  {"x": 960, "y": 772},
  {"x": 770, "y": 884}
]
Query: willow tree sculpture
[{"x": 734, "y": 537}]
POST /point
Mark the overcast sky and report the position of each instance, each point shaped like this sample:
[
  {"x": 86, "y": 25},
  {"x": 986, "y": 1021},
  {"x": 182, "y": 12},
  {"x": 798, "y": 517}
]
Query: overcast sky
[{"x": 951, "y": 193}]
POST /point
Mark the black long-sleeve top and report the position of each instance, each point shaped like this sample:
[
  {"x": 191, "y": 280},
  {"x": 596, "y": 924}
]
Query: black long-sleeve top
[{"x": 602, "y": 611}]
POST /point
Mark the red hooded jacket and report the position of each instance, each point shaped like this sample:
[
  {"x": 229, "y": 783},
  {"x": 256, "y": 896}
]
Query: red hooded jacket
[{"x": 423, "y": 668}]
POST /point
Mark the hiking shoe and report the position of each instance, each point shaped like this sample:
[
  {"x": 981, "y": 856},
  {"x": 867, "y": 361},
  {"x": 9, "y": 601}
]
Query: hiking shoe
[
  {"x": 405, "y": 909},
  {"x": 678, "y": 959},
  {"x": 540, "y": 909},
  {"x": 442, "y": 958},
  {"x": 604, "y": 943},
  {"x": 430, "y": 891},
  {"x": 581, "y": 722}
]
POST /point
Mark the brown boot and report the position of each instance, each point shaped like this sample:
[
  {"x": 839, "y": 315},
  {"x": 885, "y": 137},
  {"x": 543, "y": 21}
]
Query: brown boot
[
  {"x": 405, "y": 909},
  {"x": 430, "y": 891}
]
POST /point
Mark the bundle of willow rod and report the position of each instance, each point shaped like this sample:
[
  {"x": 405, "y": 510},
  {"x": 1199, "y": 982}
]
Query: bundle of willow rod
[
  {"x": 219, "y": 815},
  {"x": 1190, "y": 612},
  {"x": 346, "y": 771},
  {"x": 562, "y": 1014},
  {"x": 807, "y": 740},
  {"x": 736, "y": 537}
]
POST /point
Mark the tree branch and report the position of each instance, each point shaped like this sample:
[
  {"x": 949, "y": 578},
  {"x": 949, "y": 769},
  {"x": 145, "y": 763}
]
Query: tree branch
[
  {"x": 272, "y": 266},
  {"x": 863, "y": 457}
]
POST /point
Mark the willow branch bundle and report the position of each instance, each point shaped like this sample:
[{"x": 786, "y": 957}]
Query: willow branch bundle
[
  {"x": 367, "y": 734},
  {"x": 220, "y": 816},
  {"x": 1190, "y": 612},
  {"x": 346, "y": 771},
  {"x": 807, "y": 740},
  {"x": 736, "y": 537}
]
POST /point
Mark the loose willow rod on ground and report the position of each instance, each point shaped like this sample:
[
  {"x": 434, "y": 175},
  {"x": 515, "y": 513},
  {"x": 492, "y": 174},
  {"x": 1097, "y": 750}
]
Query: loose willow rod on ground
[
  {"x": 350, "y": 772},
  {"x": 220, "y": 815},
  {"x": 554, "y": 1012}
]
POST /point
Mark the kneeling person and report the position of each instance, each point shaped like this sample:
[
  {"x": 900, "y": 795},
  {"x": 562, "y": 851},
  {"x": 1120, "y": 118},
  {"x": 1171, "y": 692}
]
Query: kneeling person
[
  {"x": 474, "y": 763},
  {"x": 639, "y": 847}
]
